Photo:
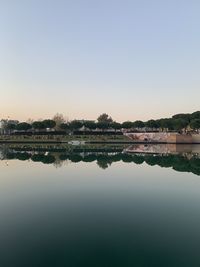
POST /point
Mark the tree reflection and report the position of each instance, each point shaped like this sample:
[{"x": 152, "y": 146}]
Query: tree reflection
[
  {"x": 46, "y": 159},
  {"x": 185, "y": 162}
]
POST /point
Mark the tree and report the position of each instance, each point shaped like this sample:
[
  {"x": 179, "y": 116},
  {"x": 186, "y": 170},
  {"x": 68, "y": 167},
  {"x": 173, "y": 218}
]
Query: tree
[
  {"x": 59, "y": 119},
  {"x": 195, "y": 124},
  {"x": 64, "y": 126},
  {"x": 75, "y": 125},
  {"x": 38, "y": 125},
  {"x": 11, "y": 126},
  {"x": 166, "y": 124},
  {"x": 49, "y": 124},
  {"x": 179, "y": 124},
  {"x": 152, "y": 124},
  {"x": 195, "y": 115},
  {"x": 182, "y": 116},
  {"x": 23, "y": 126},
  {"x": 104, "y": 118},
  {"x": 127, "y": 125},
  {"x": 90, "y": 125},
  {"x": 103, "y": 125},
  {"x": 138, "y": 124},
  {"x": 116, "y": 125}
]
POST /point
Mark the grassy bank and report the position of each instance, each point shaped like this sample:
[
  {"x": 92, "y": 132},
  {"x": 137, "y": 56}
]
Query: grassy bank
[{"x": 65, "y": 138}]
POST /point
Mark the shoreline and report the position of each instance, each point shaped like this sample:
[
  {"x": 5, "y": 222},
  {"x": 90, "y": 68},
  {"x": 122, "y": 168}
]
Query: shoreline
[
  {"x": 127, "y": 138},
  {"x": 93, "y": 142}
]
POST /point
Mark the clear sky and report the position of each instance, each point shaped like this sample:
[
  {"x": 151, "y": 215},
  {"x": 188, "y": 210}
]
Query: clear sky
[{"x": 133, "y": 59}]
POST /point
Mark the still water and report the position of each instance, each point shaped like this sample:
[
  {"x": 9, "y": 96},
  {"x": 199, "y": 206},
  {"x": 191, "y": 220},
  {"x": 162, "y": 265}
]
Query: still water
[{"x": 100, "y": 206}]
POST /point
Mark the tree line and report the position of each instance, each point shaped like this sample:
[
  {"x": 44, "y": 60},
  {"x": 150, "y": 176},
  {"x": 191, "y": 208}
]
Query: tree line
[{"x": 177, "y": 122}]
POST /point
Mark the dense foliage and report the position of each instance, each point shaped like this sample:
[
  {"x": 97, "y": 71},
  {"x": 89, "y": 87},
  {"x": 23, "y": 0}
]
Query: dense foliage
[{"x": 178, "y": 122}]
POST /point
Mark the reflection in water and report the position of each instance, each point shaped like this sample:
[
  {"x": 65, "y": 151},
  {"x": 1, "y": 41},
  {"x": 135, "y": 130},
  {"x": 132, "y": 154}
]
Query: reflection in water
[
  {"x": 126, "y": 216},
  {"x": 182, "y": 158}
]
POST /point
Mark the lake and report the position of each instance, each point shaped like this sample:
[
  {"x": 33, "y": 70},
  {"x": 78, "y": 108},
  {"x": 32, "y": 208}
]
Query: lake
[{"x": 109, "y": 206}]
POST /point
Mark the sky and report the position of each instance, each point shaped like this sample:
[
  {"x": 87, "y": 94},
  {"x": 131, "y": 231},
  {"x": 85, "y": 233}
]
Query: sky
[{"x": 133, "y": 59}]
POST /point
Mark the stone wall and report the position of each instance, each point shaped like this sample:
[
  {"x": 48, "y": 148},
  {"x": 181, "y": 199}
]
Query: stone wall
[
  {"x": 196, "y": 138},
  {"x": 183, "y": 139},
  {"x": 164, "y": 137},
  {"x": 148, "y": 137}
]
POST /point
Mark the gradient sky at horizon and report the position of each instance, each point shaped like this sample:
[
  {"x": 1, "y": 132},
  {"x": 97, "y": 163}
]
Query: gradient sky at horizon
[{"x": 133, "y": 59}]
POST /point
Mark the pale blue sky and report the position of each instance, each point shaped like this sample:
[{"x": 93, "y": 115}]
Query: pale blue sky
[{"x": 134, "y": 59}]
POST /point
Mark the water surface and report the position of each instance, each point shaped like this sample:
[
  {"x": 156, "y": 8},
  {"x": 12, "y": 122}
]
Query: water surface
[{"x": 100, "y": 206}]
